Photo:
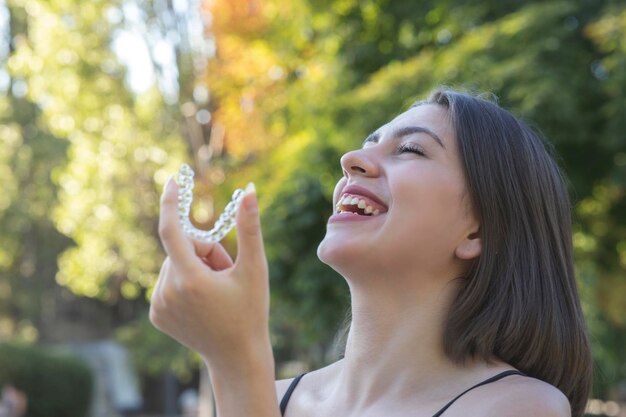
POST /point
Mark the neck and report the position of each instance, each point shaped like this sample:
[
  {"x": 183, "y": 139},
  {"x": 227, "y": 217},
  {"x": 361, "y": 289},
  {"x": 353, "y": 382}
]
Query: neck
[{"x": 395, "y": 342}]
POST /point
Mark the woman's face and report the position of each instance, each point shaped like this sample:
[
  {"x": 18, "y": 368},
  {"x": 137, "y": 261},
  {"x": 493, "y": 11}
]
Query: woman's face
[{"x": 407, "y": 186}]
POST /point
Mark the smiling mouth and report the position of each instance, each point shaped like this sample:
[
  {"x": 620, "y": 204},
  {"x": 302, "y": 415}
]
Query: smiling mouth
[{"x": 357, "y": 205}]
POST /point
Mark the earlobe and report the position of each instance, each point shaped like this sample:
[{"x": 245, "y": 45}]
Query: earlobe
[{"x": 470, "y": 248}]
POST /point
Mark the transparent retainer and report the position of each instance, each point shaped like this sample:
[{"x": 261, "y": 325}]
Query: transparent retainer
[{"x": 222, "y": 226}]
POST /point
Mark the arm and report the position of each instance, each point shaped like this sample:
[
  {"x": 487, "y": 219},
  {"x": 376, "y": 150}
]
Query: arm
[
  {"x": 220, "y": 308},
  {"x": 248, "y": 390}
]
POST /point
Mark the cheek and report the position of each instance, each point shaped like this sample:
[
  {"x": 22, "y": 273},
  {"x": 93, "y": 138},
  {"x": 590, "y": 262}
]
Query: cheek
[
  {"x": 429, "y": 217},
  {"x": 435, "y": 190},
  {"x": 340, "y": 185}
]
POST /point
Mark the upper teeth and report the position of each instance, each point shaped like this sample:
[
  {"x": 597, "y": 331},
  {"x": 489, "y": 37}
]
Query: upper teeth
[{"x": 349, "y": 200}]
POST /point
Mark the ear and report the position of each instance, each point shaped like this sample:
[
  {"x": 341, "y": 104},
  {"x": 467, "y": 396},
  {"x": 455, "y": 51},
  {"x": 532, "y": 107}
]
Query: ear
[{"x": 470, "y": 247}]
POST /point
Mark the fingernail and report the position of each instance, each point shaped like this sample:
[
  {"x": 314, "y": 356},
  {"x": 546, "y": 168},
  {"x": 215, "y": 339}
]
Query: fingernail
[
  {"x": 168, "y": 182},
  {"x": 251, "y": 204}
]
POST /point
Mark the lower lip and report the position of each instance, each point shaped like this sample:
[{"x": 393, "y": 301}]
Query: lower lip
[{"x": 349, "y": 217}]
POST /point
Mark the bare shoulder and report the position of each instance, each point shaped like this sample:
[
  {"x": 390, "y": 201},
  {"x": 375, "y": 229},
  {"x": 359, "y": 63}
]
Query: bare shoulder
[
  {"x": 312, "y": 382},
  {"x": 524, "y": 396},
  {"x": 281, "y": 387}
]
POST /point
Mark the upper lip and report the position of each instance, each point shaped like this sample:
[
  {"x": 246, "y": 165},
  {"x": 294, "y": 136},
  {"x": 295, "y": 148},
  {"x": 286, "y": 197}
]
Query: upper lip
[{"x": 354, "y": 189}]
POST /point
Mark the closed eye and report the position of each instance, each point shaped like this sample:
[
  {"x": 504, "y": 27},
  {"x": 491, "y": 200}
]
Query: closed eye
[{"x": 412, "y": 148}]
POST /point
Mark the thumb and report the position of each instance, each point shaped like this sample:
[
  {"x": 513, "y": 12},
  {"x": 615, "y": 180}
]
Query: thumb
[{"x": 250, "y": 250}]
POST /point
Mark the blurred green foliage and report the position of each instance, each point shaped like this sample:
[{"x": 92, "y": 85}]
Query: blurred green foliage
[
  {"x": 55, "y": 384},
  {"x": 291, "y": 87}
]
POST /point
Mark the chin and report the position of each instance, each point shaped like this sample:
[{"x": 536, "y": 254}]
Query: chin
[
  {"x": 341, "y": 254},
  {"x": 324, "y": 253}
]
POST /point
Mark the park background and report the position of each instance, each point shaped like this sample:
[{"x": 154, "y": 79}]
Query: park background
[{"x": 101, "y": 100}]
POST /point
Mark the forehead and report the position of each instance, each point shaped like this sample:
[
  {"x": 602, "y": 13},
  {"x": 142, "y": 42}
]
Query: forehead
[{"x": 431, "y": 116}]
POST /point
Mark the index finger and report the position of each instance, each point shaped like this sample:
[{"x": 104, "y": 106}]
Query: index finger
[
  {"x": 213, "y": 255},
  {"x": 176, "y": 244}
]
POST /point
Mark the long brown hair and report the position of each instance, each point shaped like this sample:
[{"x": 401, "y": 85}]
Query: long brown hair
[{"x": 519, "y": 300}]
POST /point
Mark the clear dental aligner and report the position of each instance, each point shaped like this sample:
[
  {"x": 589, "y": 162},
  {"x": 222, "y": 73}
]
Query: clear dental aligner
[{"x": 222, "y": 226}]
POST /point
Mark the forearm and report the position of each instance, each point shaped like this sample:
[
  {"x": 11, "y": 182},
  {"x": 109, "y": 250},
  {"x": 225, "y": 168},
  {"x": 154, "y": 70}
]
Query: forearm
[{"x": 246, "y": 389}]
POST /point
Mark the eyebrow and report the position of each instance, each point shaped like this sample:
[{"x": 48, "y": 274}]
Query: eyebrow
[{"x": 405, "y": 131}]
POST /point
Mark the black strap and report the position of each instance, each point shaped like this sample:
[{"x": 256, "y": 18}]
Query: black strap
[
  {"x": 296, "y": 380},
  {"x": 487, "y": 381},
  {"x": 285, "y": 400}
]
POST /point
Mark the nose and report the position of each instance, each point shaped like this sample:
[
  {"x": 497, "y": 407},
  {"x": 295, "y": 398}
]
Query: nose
[{"x": 359, "y": 162}]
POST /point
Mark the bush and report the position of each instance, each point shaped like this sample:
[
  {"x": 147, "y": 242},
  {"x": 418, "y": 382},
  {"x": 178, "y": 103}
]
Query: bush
[{"x": 55, "y": 384}]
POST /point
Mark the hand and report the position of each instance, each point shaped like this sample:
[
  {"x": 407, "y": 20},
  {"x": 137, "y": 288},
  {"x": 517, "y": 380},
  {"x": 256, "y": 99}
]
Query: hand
[{"x": 203, "y": 299}]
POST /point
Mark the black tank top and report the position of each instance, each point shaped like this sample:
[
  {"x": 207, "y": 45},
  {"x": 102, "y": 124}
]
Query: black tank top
[{"x": 296, "y": 380}]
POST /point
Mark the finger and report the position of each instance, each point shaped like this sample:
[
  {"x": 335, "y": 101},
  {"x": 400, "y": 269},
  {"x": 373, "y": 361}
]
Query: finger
[
  {"x": 157, "y": 292},
  {"x": 213, "y": 254},
  {"x": 176, "y": 244},
  {"x": 250, "y": 252},
  {"x": 157, "y": 301},
  {"x": 216, "y": 251}
]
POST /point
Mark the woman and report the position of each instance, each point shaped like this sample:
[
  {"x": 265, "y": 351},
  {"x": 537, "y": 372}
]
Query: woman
[{"x": 452, "y": 229}]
